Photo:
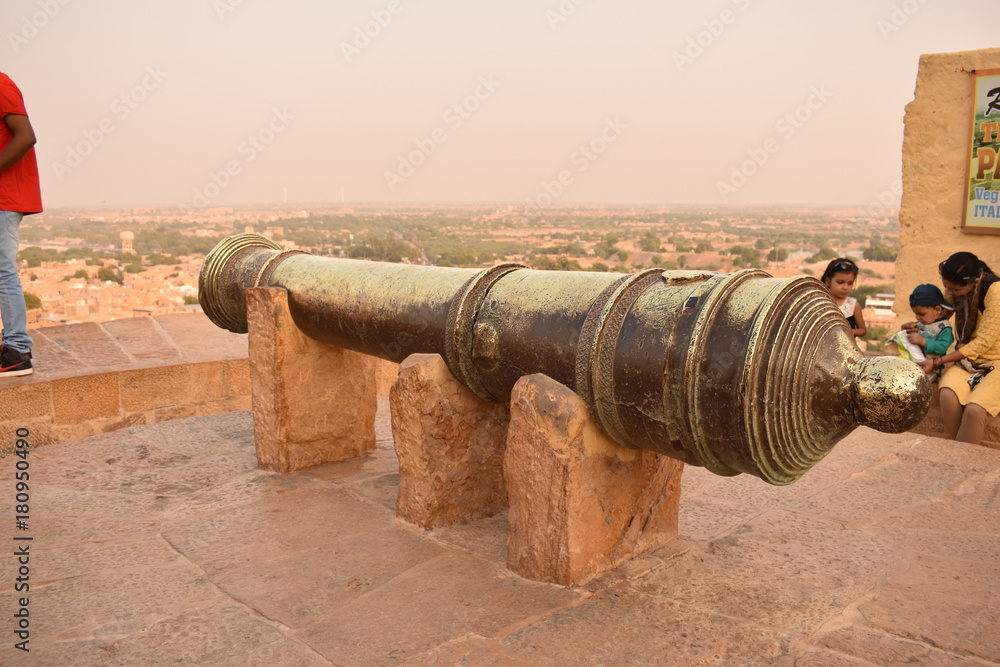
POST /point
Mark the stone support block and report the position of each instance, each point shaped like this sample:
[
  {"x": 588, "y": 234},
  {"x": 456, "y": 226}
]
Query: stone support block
[
  {"x": 312, "y": 402},
  {"x": 450, "y": 446},
  {"x": 579, "y": 503}
]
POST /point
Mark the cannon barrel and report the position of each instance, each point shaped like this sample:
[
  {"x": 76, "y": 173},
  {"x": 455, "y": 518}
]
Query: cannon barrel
[{"x": 739, "y": 372}]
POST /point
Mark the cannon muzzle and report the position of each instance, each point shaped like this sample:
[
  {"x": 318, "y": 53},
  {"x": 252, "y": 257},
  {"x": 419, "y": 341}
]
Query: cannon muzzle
[{"x": 739, "y": 372}]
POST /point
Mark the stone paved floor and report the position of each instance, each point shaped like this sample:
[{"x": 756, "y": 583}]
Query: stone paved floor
[{"x": 164, "y": 545}]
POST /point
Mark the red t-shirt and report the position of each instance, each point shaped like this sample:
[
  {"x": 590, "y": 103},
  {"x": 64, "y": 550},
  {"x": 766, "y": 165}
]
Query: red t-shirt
[{"x": 19, "y": 189}]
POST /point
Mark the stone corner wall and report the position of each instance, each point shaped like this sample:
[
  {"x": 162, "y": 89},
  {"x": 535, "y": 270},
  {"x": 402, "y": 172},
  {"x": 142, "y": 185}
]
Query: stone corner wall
[
  {"x": 70, "y": 408},
  {"x": 935, "y": 153}
]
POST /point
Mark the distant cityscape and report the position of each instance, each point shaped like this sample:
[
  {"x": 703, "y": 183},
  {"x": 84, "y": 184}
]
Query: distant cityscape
[{"x": 94, "y": 265}]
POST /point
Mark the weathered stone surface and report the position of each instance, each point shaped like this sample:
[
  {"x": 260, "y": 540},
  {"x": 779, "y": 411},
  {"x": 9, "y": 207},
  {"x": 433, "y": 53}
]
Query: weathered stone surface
[
  {"x": 40, "y": 432},
  {"x": 201, "y": 408},
  {"x": 450, "y": 446},
  {"x": 312, "y": 402},
  {"x": 236, "y": 373},
  {"x": 209, "y": 380},
  {"x": 143, "y": 339},
  {"x": 951, "y": 589},
  {"x": 85, "y": 397},
  {"x": 26, "y": 402},
  {"x": 746, "y": 572},
  {"x": 102, "y": 350},
  {"x": 198, "y": 339},
  {"x": 579, "y": 503},
  {"x": 155, "y": 387},
  {"x": 620, "y": 626},
  {"x": 882, "y": 648},
  {"x": 456, "y": 592},
  {"x": 386, "y": 373}
]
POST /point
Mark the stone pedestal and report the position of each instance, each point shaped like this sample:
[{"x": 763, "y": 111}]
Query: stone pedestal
[
  {"x": 450, "y": 446},
  {"x": 579, "y": 503},
  {"x": 312, "y": 402}
]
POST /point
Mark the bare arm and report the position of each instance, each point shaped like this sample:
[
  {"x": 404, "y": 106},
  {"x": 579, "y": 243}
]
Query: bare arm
[
  {"x": 860, "y": 328},
  {"x": 937, "y": 362},
  {"x": 20, "y": 143}
]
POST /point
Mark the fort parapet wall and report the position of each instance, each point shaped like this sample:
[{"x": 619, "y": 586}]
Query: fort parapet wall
[{"x": 95, "y": 378}]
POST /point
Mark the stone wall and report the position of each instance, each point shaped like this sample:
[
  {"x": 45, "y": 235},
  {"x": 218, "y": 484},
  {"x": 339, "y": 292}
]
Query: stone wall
[
  {"x": 74, "y": 407},
  {"x": 935, "y": 154}
]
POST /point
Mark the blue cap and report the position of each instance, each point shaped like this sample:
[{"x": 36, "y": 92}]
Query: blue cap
[{"x": 929, "y": 295}]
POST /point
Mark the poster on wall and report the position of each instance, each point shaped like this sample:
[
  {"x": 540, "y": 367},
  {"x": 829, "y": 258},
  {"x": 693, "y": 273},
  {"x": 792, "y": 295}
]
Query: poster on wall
[{"x": 982, "y": 201}]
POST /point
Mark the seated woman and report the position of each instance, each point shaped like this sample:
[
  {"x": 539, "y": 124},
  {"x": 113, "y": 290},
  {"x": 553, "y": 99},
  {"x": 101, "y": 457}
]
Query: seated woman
[{"x": 969, "y": 389}]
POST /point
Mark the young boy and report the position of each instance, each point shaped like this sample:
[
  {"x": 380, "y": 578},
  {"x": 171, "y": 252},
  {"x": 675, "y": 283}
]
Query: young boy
[
  {"x": 19, "y": 196},
  {"x": 931, "y": 335}
]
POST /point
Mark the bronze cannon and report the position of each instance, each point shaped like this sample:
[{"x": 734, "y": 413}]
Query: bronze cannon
[{"x": 739, "y": 372}]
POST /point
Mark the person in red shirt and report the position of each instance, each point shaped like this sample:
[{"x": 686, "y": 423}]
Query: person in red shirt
[{"x": 20, "y": 195}]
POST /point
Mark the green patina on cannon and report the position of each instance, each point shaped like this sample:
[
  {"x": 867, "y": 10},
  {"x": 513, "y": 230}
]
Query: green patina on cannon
[{"x": 739, "y": 372}]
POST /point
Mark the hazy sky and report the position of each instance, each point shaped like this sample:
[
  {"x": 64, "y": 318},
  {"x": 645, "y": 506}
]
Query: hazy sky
[{"x": 218, "y": 102}]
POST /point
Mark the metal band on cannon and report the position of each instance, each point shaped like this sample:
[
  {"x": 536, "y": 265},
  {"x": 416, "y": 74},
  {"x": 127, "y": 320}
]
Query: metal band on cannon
[
  {"x": 461, "y": 323},
  {"x": 736, "y": 372}
]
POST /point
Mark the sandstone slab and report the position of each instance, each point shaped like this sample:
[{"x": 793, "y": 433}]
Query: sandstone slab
[
  {"x": 579, "y": 503},
  {"x": 450, "y": 446},
  {"x": 312, "y": 402}
]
